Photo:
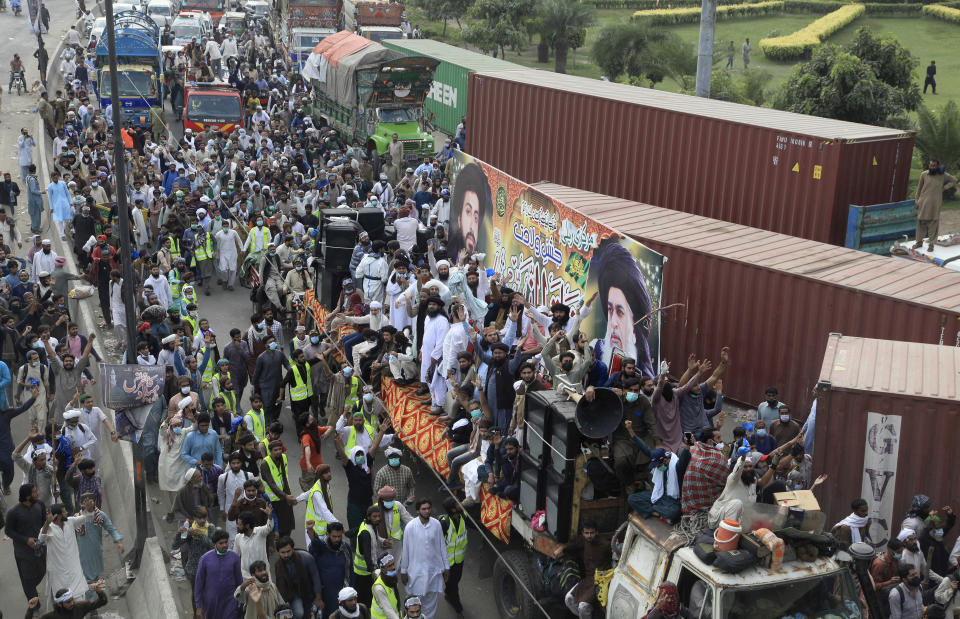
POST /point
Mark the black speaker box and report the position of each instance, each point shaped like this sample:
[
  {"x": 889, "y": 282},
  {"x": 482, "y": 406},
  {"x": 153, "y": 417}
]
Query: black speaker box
[
  {"x": 558, "y": 490},
  {"x": 330, "y": 285},
  {"x": 538, "y": 424},
  {"x": 565, "y": 438},
  {"x": 531, "y": 485},
  {"x": 371, "y": 219},
  {"x": 339, "y": 238}
]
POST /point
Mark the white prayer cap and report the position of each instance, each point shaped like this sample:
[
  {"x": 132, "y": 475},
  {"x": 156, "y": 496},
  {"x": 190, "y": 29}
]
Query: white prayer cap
[
  {"x": 189, "y": 474},
  {"x": 443, "y": 263},
  {"x": 65, "y": 597},
  {"x": 459, "y": 423},
  {"x": 72, "y": 414},
  {"x": 412, "y": 601},
  {"x": 185, "y": 402},
  {"x": 386, "y": 559},
  {"x": 376, "y": 305},
  {"x": 393, "y": 451},
  {"x": 170, "y": 338},
  {"x": 347, "y": 593},
  {"x": 905, "y": 533}
]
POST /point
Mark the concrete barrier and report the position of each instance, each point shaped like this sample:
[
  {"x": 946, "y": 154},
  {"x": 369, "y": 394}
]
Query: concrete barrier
[{"x": 151, "y": 595}]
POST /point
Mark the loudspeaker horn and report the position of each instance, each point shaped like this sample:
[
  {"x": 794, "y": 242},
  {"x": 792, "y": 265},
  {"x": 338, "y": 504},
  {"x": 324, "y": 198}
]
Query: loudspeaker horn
[{"x": 599, "y": 418}]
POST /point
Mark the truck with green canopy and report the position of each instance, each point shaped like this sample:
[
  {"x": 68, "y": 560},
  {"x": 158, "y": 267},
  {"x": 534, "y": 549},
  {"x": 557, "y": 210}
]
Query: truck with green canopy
[
  {"x": 369, "y": 93},
  {"x": 446, "y": 103}
]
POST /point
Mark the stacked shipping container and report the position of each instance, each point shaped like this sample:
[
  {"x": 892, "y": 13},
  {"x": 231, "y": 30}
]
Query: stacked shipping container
[
  {"x": 754, "y": 166},
  {"x": 773, "y": 298}
]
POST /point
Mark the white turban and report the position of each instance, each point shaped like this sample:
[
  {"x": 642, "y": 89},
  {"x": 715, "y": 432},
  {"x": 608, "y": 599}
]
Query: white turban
[
  {"x": 905, "y": 533},
  {"x": 189, "y": 474},
  {"x": 347, "y": 593},
  {"x": 443, "y": 263},
  {"x": 66, "y": 597},
  {"x": 392, "y": 451},
  {"x": 72, "y": 414},
  {"x": 376, "y": 305},
  {"x": 185, "y": 402},
  {"x": 386, "y": 559},
  {"x": 170, "y": 338}
]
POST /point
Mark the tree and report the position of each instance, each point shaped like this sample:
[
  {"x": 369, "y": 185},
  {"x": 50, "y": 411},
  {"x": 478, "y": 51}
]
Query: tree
[
  {"x": 444, "y": 10},
  {"x": 891, "y": 63},
  {"x": 642, "y": 52},
  {"x": 499, "y": 24},
  {"x": 560, "y": 23},
  {"x": 836, "y": 84},
  {"x": 938, "y": 135},
  {"x": 748, "y": 88}
]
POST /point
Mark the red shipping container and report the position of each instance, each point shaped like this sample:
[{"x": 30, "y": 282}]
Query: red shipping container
[
  {"x": 887, "y": 417},
  {"x": 754, "y": 166},
  {"x": 773, "y": 298}
]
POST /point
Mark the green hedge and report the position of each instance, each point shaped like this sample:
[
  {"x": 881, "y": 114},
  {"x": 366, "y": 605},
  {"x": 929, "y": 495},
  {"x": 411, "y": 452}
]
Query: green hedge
[
  {"x": 644, "y": 5},
  {"x": 668, "y": 17},
  {"x": 945, "y": 13},
  {"x": 822, "y": 7},
  {"x": 800, "y": 43}
]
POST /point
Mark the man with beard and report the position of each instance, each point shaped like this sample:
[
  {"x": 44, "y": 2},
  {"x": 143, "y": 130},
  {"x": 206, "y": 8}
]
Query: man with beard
[
  {"x": 332, "y": 554},
  {"x": 251, "y": 540},
  {"x": 161, "y": 286},
  {"x": 59, "y": 533},
  {"x": 273, "y": 472},
  {"x": 666, "y": 408},
  {"x": 424, "y": 566},
  {"x": 933, "y": 182},
  {"x": 435, "y": 329},
  {"x": 319, "y": 514},
  {"x": 471, "y": 203},
  {"x": 624, "y": 297},
  {"x": 455, "y": 531},
  {"x": 499, "y": 389},
  {"x": 268, "y": 598},
  {"x": 349, "y": 607},
  {"x": 297, "y": 578},
  {"x": 24, "y": 521},
  {"x": 267, "y": 376},
  {"x": 229, "y": 486},
  {"x": 638, "y": 412},
  {"x": 568, "y": 371},
  {"x": 384, "y": 603},
  {"x": 706, "y": 475},
  {"x": 67, "y": 606},
  {"x": 592, "y": 552},
  {"x": 740, "y": 489}
]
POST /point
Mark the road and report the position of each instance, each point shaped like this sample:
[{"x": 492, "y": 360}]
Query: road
[{"x": 225, "y": 310}]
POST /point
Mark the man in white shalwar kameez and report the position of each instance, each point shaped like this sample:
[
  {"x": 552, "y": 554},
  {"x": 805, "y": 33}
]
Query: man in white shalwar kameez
[
  {"x": 435, "y": 327},
  {"x": 227, "y": 485},
  {"x": 455, "y": 342},
  {"x": 228, "y": 246},
  {"x": 161, "y": 286},
  {"x": 424, "y": 566},
  {"x": 64, "y": 570}
]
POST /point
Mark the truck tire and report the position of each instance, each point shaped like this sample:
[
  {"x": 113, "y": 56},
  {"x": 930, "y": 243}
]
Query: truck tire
[{"x": 512, "y": 569}]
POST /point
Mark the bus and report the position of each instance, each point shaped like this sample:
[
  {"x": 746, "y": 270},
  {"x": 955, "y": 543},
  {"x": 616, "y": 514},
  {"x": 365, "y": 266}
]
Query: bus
[{"x": 212, "y": 106}]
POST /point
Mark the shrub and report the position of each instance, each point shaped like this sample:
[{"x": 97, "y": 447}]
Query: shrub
[
  {"x": 667, "y": 17},
  {"x": 942, "y": 12},
  {"x": 800, "y": 43},
  {"x": 658, "y": 4}
]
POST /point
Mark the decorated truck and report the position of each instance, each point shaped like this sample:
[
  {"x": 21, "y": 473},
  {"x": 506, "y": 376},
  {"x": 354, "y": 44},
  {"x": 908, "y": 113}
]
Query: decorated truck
[
  {"x": 138, "y": 67},
  {"x": 369, "y": 93},
  {"x": 303, "y": 24},
  {"x": 377, "y": 20}
]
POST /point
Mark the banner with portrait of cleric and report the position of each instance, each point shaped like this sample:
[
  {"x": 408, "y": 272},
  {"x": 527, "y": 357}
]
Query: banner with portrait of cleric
[{"x": 554, "y": 254}]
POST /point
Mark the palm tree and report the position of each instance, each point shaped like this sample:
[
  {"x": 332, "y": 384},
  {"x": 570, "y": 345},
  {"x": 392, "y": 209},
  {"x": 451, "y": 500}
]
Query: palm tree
[
  {"x": 560, "y": 21},
  {"x": 938, "y": 134}
]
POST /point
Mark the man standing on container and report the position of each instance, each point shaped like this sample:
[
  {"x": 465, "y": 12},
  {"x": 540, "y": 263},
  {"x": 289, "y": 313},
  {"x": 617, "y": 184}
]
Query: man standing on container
[{"x": 933, "y": 182}]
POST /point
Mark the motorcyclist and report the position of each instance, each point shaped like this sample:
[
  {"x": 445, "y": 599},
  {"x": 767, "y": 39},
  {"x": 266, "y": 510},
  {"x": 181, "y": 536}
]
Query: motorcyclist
[{"x": 16, "y": 67}]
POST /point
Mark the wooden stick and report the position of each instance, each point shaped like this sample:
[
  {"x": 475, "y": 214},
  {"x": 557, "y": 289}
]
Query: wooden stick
[{"x": 648, "y": 314}]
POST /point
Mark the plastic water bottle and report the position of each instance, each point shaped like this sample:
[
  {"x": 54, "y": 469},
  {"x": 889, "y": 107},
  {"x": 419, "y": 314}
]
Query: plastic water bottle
[{"x": 186, "y": 525}]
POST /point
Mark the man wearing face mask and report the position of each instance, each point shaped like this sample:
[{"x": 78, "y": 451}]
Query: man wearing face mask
[
  {"x": 396, "y": 475},
  {"x": 762, "y": 441},
  {"x": 267, "y": 376},
  {"x": 931, "y": 539},
  {"x": 784, "y": 428},
  {"x": 769, "y": 409},
  {"x": 885, "y": 568},
  {"x": 372, "y": 272},
  {"x": 385, "y": 595},
  {"x": 906, "y": 599},
  {"x": 218, "y": 576},
  {"x": 639, "y": 412},
  {"x": 455, "y": 532}
]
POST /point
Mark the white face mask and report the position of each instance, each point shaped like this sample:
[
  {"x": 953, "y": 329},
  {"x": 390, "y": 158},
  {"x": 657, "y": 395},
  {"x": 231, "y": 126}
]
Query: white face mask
[
  {"x": 719, "y": 445},
  {"x": 785, "y": 418}
]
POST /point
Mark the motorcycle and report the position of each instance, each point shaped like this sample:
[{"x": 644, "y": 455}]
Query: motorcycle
[{"x": 18, "y": 82}]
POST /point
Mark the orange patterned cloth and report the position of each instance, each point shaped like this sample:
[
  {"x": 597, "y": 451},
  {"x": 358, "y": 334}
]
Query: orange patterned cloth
[
  {"x": 320, "y": 314},
  {"x": 426, "y": 436}
]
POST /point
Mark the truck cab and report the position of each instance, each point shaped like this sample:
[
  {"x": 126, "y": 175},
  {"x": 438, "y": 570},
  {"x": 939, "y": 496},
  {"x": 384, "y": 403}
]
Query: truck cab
[
  {"x": 213, "y": 106},
  {"x": 652, "y": 554},
  {"x": 138, "y": 67},
  {"x": 302, "y": 42},
  {"x": 382, "y": 33}
]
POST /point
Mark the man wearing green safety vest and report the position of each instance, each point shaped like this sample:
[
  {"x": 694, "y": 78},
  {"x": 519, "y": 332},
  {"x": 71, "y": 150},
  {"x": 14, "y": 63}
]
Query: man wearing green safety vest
[
  {"x": 385, "y": 590},
  {"x": 175, "y": 276},
  {"x": 273, "y": 472},
  {"x": 301, "y": 387},
  {"x": 254, "y": 419},
  {"x": 367, "y": 548},
  {"x": 203, "y": 254},
  {"x": 393, "y": 519},
  {"x": 319, "y": 507},
  {"x": 455, "y": 531},
  {"x": 360, "y": 432}
]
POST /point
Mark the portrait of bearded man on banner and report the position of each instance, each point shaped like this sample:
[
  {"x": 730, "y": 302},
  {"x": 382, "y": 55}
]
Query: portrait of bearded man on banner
[
  {"x": 470, "y": 204},
  {"x": 625, "y": 299}
]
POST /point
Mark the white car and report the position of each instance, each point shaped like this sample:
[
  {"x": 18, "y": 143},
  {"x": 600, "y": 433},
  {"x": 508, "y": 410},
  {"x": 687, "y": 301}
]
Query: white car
[
  {"x": 161, "y": 12},
  {"x": 257, "y": 8},
  {"x": 125, "y": 6},
  {"x": 98, "y": 27}
]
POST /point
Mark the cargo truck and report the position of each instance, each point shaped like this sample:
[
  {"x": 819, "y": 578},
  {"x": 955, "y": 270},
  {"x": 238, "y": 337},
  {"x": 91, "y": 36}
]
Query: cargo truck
[
  {"x": 377, "y": 20},
  {"x": 446, "y": 104},
  {"x": 303, "y": 24},
  {"x": 369, "y": 93},
  {"x": 137, "y": 39}
]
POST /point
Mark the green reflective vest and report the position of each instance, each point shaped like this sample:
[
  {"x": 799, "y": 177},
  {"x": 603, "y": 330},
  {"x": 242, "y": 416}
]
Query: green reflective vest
[
  {"x": 205, "y": 250},
  {"x": 352, "y": 438},
  {"x": 302, "y": 387},
  {"x": 359, "y": 563},
  {"x": 259, "y": 425},
  {"x": 277, "y": 477},
  {"x": 319, "y": 525},
  {"x": 456, "y": 541},
  {"x": 375, "y": 611}
]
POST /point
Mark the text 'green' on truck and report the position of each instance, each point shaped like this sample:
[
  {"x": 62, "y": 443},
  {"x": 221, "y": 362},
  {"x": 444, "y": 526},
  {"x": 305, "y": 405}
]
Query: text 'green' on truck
[{"x": 369, "y": 93}]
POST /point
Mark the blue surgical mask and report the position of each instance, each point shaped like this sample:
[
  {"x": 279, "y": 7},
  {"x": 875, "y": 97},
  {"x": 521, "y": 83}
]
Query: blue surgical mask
[
  {"x": 347, "y": 371},
  {"x": 314, "y": 339},
  {"x": 476, "y": 413},
  {"x": 388, "y": 504},
  {"x": 393, "y": 461},
  {"x": 273, "y": 345},
  {"x": 898, "y": 555},
  {"x": 177, "y": 430},
  {"x": 761, "y": 432},
  {"x": 261, "y": 325},
  {"x": 391, "y": 573},
  {"x": 630, "y": 396},
  {"x": 368, "y": 397},
  {"x": 360, "y": 460},
  {"x": 38, "y": 344},
  {"x": 299, "y": 267},
  {"x": 260, "y": 222}
]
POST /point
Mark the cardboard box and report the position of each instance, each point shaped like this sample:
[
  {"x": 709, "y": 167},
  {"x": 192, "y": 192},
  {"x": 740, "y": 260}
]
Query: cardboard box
[{"x": 804, "y": 499}]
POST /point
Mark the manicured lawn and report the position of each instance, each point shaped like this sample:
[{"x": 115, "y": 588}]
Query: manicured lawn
[{"x": 926, "y": 38}]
